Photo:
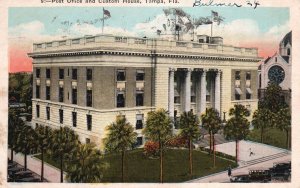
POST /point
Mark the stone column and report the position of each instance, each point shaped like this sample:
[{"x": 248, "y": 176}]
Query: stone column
[
  {"x": 187, "y": 89},
  {"x": 171, "y": 92},
  {"x": 203, "y": 92},
  {"x": 218, "y": 91},
  {"x": 198, "y": 93}
]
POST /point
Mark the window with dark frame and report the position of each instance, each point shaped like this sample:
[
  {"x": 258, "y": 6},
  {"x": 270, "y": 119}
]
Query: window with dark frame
[
  {"x": 74, "y": 119},
  {"x": 89, "y": 98},
  {"x": 61, "y": 116},
  {"x": 121, "y": 75},
  {"x": 48, "y": 73},
  {"x": 140, "y": 75},
  {"x": 61, "y": 74},
  {"x": 139, "y": 121},
  {"x": 139, "y": 141},
  {"x": 237, "y": 75},
  {"x": 248, "y": 96},
  {"x": 74, "y": 74},
  {"x": 48, "y": 112},
  {"x": 89, "y": 122},
  {"x": 61, "y": 94},
  {"x": 237, "y": 97},
  {"x": 87, "y": 140},
  {"x": 139, "y": 99},
  {"x": 47, "y": 92},
  {"x": 177, "y": 100},
  {"x": 120, "y": 100},
  {"x": 37, "y": 111},
  {"x": 74, "y": 96},
  {"x": 37, "y": 92},
  {"x": 89, "y": 74},
  {"x": 248, "y": 75},
  {"x": 38, "y": 73}
]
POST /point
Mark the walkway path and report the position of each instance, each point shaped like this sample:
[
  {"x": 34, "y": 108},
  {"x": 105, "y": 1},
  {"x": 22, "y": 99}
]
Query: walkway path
[{"x": 51, "y": 173}]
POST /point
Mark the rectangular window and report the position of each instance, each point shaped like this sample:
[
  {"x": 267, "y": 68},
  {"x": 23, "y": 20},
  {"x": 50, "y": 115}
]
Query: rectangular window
[
  {"x": 248, "y": 96},
  {"x": 89, "y": 74},
  {"x": 139, "y": 99},
  {"x": 237, "y": 97},
  {"x": 121, "y": 75},
  {"x": 37, "y": 111},
  {"x": 87, "y": 141},
  {"x": 74, "y": 119},
  {"x": 61, "y": 94},
  {"x": 61, "y": 74},
  {"x": 177, "y": 100},
  {"x": 139, "y": 121},
  {"x": 61, "y": 116},
  {"x": 38, "y": 73},
  {"x": 74, "y": 74},
  {"x": 237, "y": 75},
  {"x": 74, "y": 96},
  {"x": 75, "y": 41},
  {"x": 47, "y": 92},
  {"x": 48, "y": 73},
  {"x": 140, "y": 74},
  {"x": 120, "y": 100},
  {"x": 193, "y": 99},
  {"x": 248, "y": 75},
  {"x": 89, "y": 122},
  {"x": 139, "y": 141},
  {"x": 48, "y": 112},
  {"x": 37, "y": 92},
  {"x": 89, "y": 98}
]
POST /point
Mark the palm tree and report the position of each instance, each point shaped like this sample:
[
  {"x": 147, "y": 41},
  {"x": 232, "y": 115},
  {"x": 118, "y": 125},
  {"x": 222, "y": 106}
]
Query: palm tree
[
  {"x": 26, "y": 141},
  {"x": 86, "y": 165},
  {"x": 13, "y": 123},
  {"x": 159, "y": 128},
  {"x": 283, "y": 122},
  {"x": 189, "y": 125},
  {"x": 121, "y": 137},
  {"x": 64, "y": 143},
  {"x": 262, "y": 119},
  {"x": 237, "y": 127},
  {"x": 211, "y": 121},
  {"x": 44, "y": 134}
]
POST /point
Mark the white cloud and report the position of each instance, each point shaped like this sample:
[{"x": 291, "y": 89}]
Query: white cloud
[{"x": 27, "y": 29}]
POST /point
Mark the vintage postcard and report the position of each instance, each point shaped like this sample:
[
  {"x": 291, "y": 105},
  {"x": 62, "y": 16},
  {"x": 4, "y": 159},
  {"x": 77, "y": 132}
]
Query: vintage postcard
[{"x": 149, "y": 93}]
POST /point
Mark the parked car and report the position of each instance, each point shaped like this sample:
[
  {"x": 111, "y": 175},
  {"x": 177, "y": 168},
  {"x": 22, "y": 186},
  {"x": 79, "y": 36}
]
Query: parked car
[
  {"x": 259, "y": 175},
  {"x": 281, "y": 170},
  {"x": 243, "y": 178},
  {"x": 29, "y": 179},
  {"x": 12, "y": 171},
  {"x": 22, "y": 174}
]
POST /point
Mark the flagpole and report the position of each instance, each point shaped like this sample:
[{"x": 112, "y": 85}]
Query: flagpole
[
  {"x": 102, "y": 20},
  {"x": 211, "y": 29}
]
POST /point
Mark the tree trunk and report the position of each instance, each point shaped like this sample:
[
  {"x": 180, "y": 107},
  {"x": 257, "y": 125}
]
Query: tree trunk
[
  {"x": 287, "y": 138},
  {"x": 261, "y": 135},
  {"x": 123, "y": 154},
  {"x": 11, "y": 154},
  {"x": 161, "y": 161},
  {"x": 209, "y": 142},
  {"x": 214, "y": 150},
  {"x": 191, "y": 156},
  {"x": 25, "y": 160},
  {"x": 236, "y": 151},
  {"x": 61, "y": 169},
  {"x": 42, "y": 168}
]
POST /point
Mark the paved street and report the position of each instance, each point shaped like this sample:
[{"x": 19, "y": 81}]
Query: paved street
[{"x": 51, "y": 173}]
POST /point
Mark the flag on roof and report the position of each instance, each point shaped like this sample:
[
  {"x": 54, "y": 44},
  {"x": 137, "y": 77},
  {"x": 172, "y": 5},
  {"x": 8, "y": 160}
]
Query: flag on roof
[
  {"x": 214, "y": 14},
  {"x": 106, "y": 13}
]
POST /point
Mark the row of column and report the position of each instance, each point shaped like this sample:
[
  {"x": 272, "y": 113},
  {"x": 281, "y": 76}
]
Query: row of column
[{"x": 201, "y": 84}]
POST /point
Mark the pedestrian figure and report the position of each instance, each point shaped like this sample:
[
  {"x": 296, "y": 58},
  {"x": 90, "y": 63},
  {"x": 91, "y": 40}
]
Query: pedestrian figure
[
  {"x": 229, "y": 171},
  {"x": 251, "y": 153}
]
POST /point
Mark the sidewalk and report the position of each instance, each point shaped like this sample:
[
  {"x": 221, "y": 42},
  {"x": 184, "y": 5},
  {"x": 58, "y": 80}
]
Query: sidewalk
[{"x": 51, "y": 173}]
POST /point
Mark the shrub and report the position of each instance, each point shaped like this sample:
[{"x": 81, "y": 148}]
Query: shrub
[
  {"x": 151, "y": 149},
  {"x": 177, "y": 142}
]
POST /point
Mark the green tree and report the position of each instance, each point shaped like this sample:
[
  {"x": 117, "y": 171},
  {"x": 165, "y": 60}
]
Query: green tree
[
  {"x": 13, "y": 123},
  {"x": 26, "y": 141},
  {"x": 65, "y": 143},
  {"x": 262, "y": 119},
  {"x": 86, "y": 165},
  {"x": 44, "y": 134},
  {"x": 159, "y": 128},
  {"x": 237, "y": 127},
  {"x": 272, "y": 98},
  {"x": 283, "y": 122},
  {"x": 121, "y": 137},
  {"x": 189, "y": 125},
  {"x": 211, "y": 121}
]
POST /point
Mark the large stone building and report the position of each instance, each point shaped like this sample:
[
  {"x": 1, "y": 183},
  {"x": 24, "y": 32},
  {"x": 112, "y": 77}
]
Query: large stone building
[
  {"x": 84, "y": 83},
  {"x": 278, "y": 69}
]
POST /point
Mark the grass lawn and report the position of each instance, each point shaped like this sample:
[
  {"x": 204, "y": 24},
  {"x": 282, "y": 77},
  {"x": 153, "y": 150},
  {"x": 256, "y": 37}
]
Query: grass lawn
[
  {"x": 139, "y": 168},
  {"x": 272, "y": 136}
]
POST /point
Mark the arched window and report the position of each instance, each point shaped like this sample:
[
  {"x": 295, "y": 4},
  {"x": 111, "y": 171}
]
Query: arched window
[{"x": 288, "y": 51}]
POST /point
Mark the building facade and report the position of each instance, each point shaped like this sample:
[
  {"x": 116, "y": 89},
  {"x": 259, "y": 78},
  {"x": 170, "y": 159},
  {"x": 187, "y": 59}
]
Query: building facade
[
  {"x": 84, "y": 83},
  {"x": 278, "y": 69}
]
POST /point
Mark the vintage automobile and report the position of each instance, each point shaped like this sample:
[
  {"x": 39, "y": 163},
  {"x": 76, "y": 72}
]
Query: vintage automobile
[
  {"x": 22, "y": 174},
  {"x": 259, "y": 175},
  {"x": 29, "y": 179},
  {"x": 281, "y": 170},
  {"x": 243, "y": 178}
]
